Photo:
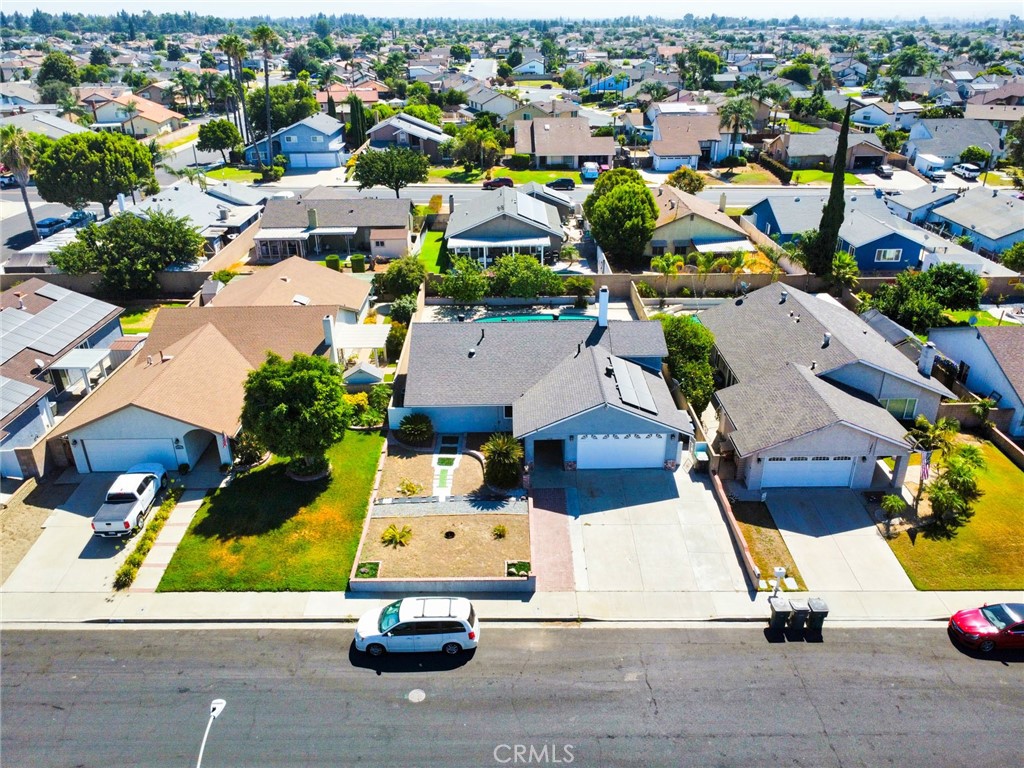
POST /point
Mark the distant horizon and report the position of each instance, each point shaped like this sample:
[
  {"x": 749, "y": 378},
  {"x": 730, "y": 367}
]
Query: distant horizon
[{"x": 535, "y": 9}]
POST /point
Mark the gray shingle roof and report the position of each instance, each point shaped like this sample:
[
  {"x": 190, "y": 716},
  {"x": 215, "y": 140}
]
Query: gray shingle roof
[
  {"x": 798, "y": 403},
  {"x": 985, "y": 211},
  {"x": 1007, "y": 345},
  {"x": 350, "y": 212},
  {"x": 510, "y": 358},
  {"x": 505, "y": 201},
  {"x": 928, "y": 194},
  {"x": 581, "y": 382},
  {"x": 950, "y": 137},
  {"x": 825, "y": 142},
  {"x": 761, "y": 333},
  {"x": 802, "y": 212}
]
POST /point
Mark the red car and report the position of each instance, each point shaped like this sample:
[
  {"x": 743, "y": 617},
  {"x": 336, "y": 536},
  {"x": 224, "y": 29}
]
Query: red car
[
  {"x": 498, "y": 181},
  {"x": 989, "y": 627}
]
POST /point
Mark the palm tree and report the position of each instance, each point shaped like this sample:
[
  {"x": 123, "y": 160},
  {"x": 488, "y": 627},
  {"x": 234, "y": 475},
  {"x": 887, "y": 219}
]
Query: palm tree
[
  {"x": 844, "y": 273},
  {"x": 894, "y": 89},
  {"x": 892, "y": 506},
  {"x": 504, "y": 455},
  {"x": 778, "y": 95},
  {"x": 267, "y": 40},
  {"x": 735, "y": 264},
  {"x": 666, "y": 265},
  {"x": 69, "y": 105},
  {"x": 737, "y": 114},
  {"x": 706, "y": 264},
  {"x": 130, "y": 110},
  {"x": 227, "y": 46},
  {"x": 208, "y": 84},
  {"x": 193, "y": 176},
  {"x": 937, "y": 437},
  {"x": 981, "y": 410},
  {"x": 17, "y": 153},
  {"x": 188, "y": 84}
]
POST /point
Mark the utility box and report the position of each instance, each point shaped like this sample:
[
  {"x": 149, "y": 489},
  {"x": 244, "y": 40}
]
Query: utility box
[
  {"x": 818, "y": 612},
  {"x": 798, "y": 618},
  {"x": 780, "y": 613}
]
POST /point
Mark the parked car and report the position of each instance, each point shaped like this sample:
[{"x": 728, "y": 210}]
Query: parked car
[
  {"x": 589, "y": 171},
  {"x": 81, "y": 218},
  {"x": 7, "y": 181},
  {"x": 989, "y": 627},
  {"x": 885, "y": 171},
  {"x": 870, "y": 92},
  {"x": 935, "y": 174},
  {"x": 498, "y": 181},
  {"x": 422, "y": 624},
  {"x": 50, "y": 226},
  {"x": 546, "y": 87},
  {"x": 129, "y": 500},
  {"x": 562, "y": 183},
  {"x": 967, "y": 171},
  {"x": 628, "y": 105}
]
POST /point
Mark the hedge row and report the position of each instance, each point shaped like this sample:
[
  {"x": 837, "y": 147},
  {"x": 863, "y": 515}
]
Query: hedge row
[
  {"x": 776, "y": 168},
  {"x": 130, "y": 567}
]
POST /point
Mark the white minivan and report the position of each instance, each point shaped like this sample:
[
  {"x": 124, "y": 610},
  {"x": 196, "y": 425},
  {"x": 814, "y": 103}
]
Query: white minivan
[{"x": 419, "y": 624}]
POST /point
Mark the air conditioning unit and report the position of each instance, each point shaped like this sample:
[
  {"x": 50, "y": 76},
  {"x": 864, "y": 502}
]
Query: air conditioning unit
[{"x": 53, "y": 408}]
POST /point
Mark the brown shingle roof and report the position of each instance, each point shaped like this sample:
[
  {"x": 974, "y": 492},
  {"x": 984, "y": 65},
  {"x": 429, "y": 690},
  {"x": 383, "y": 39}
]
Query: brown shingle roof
[
  {"x": 686, "y": 204},
  {"x": 564, "y": 136},
  {"x": 682, "y": 134},
  {"x": 279, "y": 284}
]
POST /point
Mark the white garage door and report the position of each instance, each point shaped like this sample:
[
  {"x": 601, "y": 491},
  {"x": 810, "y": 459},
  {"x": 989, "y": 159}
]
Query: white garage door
[
  {"x": 620, "y": 451},
  {"x": 296, "y": 160},
  {"x": 807, "y": 472},
  {"x": 118, "y": 455},
  {"x": 322, "y": 160}
]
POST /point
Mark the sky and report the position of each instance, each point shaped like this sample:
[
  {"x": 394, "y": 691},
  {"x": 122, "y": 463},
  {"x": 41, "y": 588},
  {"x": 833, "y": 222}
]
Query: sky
[{"x": 538, "y": 9}]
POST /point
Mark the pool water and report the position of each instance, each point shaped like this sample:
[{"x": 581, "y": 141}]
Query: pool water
[{"x": 531, "y": 318}]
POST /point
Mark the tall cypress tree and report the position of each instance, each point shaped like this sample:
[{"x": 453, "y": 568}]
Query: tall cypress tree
[
  {"x": 332, "y": 110},
  {"x": 357, "y": 123},
  {"x": 822, "y": 248}
]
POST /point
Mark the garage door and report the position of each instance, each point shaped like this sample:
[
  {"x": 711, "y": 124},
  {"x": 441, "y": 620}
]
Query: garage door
[
  {"x": 118, "y": 455},
  {"x": 297, "y": 160},
  {"x": 322, "y": 160},
  {"x": 867, "y": 161},
  {"x": 620, "y": 451},
  {"x": 808, "y": 472}
]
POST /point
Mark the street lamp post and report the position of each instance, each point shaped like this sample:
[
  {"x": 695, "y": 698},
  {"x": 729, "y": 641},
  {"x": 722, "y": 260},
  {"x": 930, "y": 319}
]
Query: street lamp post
[{"x": 216, "y": 707}]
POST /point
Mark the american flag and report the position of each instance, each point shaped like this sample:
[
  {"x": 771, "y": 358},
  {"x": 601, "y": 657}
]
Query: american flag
[{"x": 926, "y": 465}]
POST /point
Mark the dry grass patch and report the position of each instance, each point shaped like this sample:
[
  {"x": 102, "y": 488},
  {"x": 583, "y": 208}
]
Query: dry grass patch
[
  {"x": 473, "y": 552},
  {"x": 469, "y": 477},
  {"x": 402, "y": 464},
  {"x": 766, "y": 544},
  {"x": 21, "y": 523}
]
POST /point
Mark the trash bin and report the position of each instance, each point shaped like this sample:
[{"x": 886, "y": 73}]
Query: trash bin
[
  {"x": 798, "y": 617},
  {"x": 816, "y": 618},
  {"x": 780, "y": 613}
]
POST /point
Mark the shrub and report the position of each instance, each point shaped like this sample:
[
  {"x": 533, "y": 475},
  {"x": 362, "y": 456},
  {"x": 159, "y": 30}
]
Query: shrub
[
  {"x": 580, "y": 287},
  {"x": 395, "y": 341},
  {"x": 248, "y": 449},
  {"x": 403, "y": 308},
  {"x": 499, "y": 531},
  {"x": 359, "y": 402},
  {"x": 403, "y": 276},
  {"x": 504, "y": 455},
  {"x": 129, "y": 569},
  {"x": 416, "y": 429},
  {"x": 371, "y": 418},
  {"x": 733, "y": 161},
  {"x": 407, "y": 487},
  {"x": 436, "y": 201},
  {"x": 358, "y": 263},
  {"x": 395, "y": 537},
  {"x": 333, "y": 261},
  {"x": 777, "y": 169},
  {"x": 518, "y": 162},
  {"x": 379, "y": 397},
  {"x": 223, "y": 276},
  {"x": 272, "y": 173},
  {"x": 368, "y": 570},
  {"x": 518, "y": 568},
  {"x": 645, "y": 290}
]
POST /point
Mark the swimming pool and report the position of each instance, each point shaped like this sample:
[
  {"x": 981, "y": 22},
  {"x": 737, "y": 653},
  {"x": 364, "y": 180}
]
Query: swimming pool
[{"x": 534, "y": 318}]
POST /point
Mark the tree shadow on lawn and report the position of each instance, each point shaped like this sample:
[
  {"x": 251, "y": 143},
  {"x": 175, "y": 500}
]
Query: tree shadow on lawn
[{"x": 257, "y": 503}]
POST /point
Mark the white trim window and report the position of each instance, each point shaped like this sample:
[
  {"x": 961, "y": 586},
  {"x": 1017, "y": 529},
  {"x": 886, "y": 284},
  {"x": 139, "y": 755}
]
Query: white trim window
[
  {"x": 290, "y": 139},
  {"x": 316, "y": 139},
  {"x": 888, "y": 254},
  {"x": 900, "y": 407}
]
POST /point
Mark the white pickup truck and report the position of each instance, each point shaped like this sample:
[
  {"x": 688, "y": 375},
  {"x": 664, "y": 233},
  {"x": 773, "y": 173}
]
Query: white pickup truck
[{"x": 129, "y": 500}]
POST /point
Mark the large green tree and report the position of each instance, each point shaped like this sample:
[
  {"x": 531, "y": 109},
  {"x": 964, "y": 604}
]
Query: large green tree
[
  {"x": 606, "y": 182},
  {"x": 521, "y": 276},
  {"x": 218, "y": 136},
  {"x": 128, "y": 251},
  {"x": 58, "y": 66},
  {"x": 394, "y": 168},
  {"x": 689, "y": 358},
  {"x": 1015, "y": 143},
  {"x": 358, "y": 122},
  {"x": 94, "y": 167},
  {"x": 289, "y": 103},
  {"x": 622, "y": 221},
  {"x": 465, "y": 281},
  {"x": 821, "y": 248},
  {"x": 296, "y": 408}
]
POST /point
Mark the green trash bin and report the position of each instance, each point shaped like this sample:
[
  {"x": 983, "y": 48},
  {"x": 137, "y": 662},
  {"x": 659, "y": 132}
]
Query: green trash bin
[
  {"x": 816, "y": 617},
  {"x": 780, "y": 613}
]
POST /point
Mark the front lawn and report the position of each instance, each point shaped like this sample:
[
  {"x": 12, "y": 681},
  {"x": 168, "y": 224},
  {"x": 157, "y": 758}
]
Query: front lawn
[
  {"x": 541, "y": 177},
  {"x": 750, "y": 175},
  {"x": 234, "y": 174},
  {"x": 795, "y": 126},
  {"x": 987, "y": 552},
  {"x": 455, "y": 175},
  {"x": 431, "y": 250},
  {"x": 996, "y": 179},
  {"x": 766, "y": 545},
  {"x": 139, "y": 318},
  {"x": 823, "y": 177},
  {"x": 267, "y": 533}
]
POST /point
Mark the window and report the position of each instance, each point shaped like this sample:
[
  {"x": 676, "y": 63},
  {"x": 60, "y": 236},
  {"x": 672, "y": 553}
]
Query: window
[
  {"x": 316, "y": 139},
  {"x": 888, "y": 254},
  {"x": 798, "y": 458},
  {"x": 290, "y": 139},
  {"x": 508, "y": 411},
  {"x": 776, "y": 458},
  {"x": 657, "y": 250},
  {"x": 900, "y": 407},
  {"x": 378, "y": 243},
  {"x": 820, "y": 458},
  {"x": 527, "y": 116}
]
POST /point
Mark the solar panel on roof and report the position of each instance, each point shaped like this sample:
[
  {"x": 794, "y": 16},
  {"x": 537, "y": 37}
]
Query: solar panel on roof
[
  {"x": 56, "y": 326},
  {"x": 645, "y": 400},
  {"x": 627, "y": 393},
  {"x": 531, "y": 208},
  {"x": 51, "y": 291},
  {"x": 13, "y": 394}
]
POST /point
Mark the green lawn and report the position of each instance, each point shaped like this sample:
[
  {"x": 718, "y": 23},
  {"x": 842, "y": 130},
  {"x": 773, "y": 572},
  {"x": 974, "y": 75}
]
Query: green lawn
[
  {"x": 987, "y": 552},
  {"x": 181, "y": 140},
  {"x": 963, "y": 316},
  {"x": 139, "y": 318},
  {"x": 995, "y": 179},
  {"x": 431, "y": 250},
  {"x": 825, "y": 177},
  {"x": 266, "y": 533},
  {"x": 234, "y": 174},
  {"x": 795, "y": 126},
  {"x": 455, "y": 175},
  {"x": 751, "y": 177},
  {"x": 458, "y": 176},
  {"x": 535, "y": 83}
]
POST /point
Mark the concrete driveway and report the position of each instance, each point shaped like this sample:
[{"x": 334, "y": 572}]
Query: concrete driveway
[
  {"x": 647, "y": 531},
  {"x": 834, "y": 542},
  {"x": 67, "y": 557}
]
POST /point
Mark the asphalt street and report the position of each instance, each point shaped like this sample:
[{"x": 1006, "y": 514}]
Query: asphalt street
[{"x": 588, "y": 696}]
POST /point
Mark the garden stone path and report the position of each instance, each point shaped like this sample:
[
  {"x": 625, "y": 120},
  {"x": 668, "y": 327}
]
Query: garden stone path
[{"x": 444, "y": 474}]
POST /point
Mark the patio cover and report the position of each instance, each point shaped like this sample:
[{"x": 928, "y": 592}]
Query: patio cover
[
  {"x": 360, "y": 335},
  {"x": 333, "y": 231},
  {"x": 731, "y": 245},
  {"x": 80, "y": 360},
  {"x": 282, "y": 234},
  {"x": 499, "y": 242}
]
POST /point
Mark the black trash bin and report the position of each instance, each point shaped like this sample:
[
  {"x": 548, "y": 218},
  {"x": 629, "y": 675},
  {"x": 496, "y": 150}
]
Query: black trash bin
[
  {"x": 798, "y": 617},
  {"x": 818, "y": 612},
  {"x": 780, "y": 613}
]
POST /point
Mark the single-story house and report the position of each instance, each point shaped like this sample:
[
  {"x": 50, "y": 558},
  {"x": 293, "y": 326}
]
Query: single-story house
[
  {"x": 162, "y": 92},
  {"x": 947, "y": 138},
  {"x": 127, "y": 113},
  {"x": 686, "y": 140},
  {"x": 688, "y": 224},
  {"x": 501, "y": 221},
  {"x": 990, "y": 363},
  {"x": 789, "y": 215},
  {"x": 993, "y": 219},
  {"x": 51, "y": 126},
  {"x": 589, "y": 394},
  {"x": 54, "y": 346},
  {"x": 340, "y": 93},
  {"x": 18, "y": 94},
  {"x": 302, "y": 283},
  {"x": 813, "y": 396},
  {"x": 564, "y": 142},
  {"x": 809, "y": 150},
  {"x": 183, "y": 393},
  {"x": 317, "y": 141},
  {"x": 403, "y": 130},
  {"x": 540, "y": 109},
  {"x": 914, "y": 205},
  {"x": 316, "y": 223}
]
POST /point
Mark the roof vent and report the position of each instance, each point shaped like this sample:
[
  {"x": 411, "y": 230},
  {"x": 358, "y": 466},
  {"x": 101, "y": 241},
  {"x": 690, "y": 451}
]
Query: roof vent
[
  {"x": 149, "y": 359},
  {"x": 285, "y": 279},
  {"x": 814, "y": 364},
  {"x": 826, "y": 340},
  {"x": 40, "y": 363},
  {"x": 472, "y": 351},
  {"x": 796, "y": 199},
  {"x": 302, "y": 301},
  {"x": 782, "y": 299}
]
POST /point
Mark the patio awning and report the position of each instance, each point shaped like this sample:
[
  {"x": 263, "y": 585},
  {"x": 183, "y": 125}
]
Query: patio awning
[
  {"x": 282, "y": 234},
  {"x": 80, "y": 360},
  {"x": 333, "y": 231},
  {"x": 726, "y": 247},
  {"x": 360, "y": 335},
  {"x": 498, "y": 242}
]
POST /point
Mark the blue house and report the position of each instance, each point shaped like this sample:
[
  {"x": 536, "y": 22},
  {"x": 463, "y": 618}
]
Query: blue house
[
  {"x": 883, "y": 244},
  {"x": 316, "y": 142},
  {"x": 787, "y": 216}
]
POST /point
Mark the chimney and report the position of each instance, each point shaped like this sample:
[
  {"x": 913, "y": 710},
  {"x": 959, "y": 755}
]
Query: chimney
[
  {"x": 451, "y": 204},
  {"x": 721, "y": 202},
  {"x": 926, "y": 362},
  {"x": 329, "y": 336},
  {"x": 602, "y": 307},
  {"x": 783, "y": 296},
  {"x": 222, "y": 214},
  {"x": 313, "y": 221},
  {"x": 21, "y": 301},
  {"x": 472, "y": 351},
  {"x": 826, "y": 340}
]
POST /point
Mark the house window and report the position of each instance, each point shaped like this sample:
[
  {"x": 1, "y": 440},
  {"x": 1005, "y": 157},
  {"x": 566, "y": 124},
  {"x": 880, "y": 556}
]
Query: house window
[
  {"x": 508, "y": 411},
  {"x": 888, "y": 254},
  {"x": 900, "y": 407},
  {"x": 290, "y": 139},
  {"x": 527, "y": 116},
  {"x": 378, "y": 243},
  {"x": 316, "y": 139},
  {"x": 657, "y": 250}
]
